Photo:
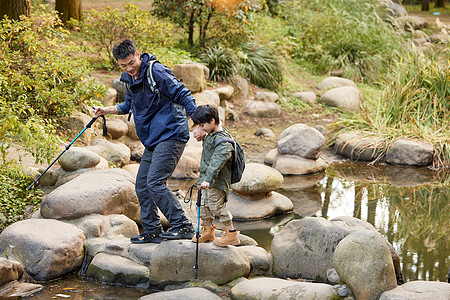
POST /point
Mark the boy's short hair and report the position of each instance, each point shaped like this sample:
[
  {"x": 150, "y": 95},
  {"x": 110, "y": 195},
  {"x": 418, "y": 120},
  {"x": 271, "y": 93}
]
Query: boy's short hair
[
  {"x": 205, "y": 113},
  {"x": 124, "y": 49}
]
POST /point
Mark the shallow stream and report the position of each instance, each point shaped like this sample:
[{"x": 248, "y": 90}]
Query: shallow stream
[{"x": 408, "y": 206}]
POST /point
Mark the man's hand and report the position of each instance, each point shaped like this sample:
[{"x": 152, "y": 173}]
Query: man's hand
[
  {"x": 199, "y": 134},
  {"x": 101, "y": 111},
  {"x": 204, "y": 185}
]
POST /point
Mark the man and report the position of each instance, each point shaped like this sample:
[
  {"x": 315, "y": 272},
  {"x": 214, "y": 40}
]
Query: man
[{"x": 162, "y": 127}]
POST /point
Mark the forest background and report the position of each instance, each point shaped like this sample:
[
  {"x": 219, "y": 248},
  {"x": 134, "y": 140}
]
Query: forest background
[{"x": 52, "y": 66}]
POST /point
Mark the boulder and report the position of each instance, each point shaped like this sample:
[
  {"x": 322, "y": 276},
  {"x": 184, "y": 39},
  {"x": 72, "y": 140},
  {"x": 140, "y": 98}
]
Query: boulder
[
  {"x": 295, "y": 165},
  {"x": 136, "y": 147},
  {"x": 260, "y": 260},
  {"x": 363, "y": 261},
  {"x": 46, "y": 248},
  {"x": 118, "y": 246},
  {"x": 117, "y": 270},
  {"x": 193, "y": 76},
  {"x": 121, "y": 89},
  {"x": 103, "y": 192},
  {"x": 116, "y": 153},
  {"x": 109, "y": 98},
  {"x": 50, "y": 177},
  {"x": 275, "y": 288},
  {"x": 304, "y": 248},
  {"x": 358, "y": 147},
  {"x": 173, "y": 262},
  {"x": 265, "y": 132},
  {"x": 189, "y": 164},
  {"x": 347, "y": 97},
  {"x": 259, "y": 206},
  {"x": 418, "y": 290},
  {"x": 193, "y": 293},
  {"x": 334, "y": 82},
  {"x": 308, "y": 97},
  {"x": 410, "y": 152},
  {"x": 110, "y": 226},
  {"x": 116, "y": 128},
  {"x": 207, "y": 97},
  {"x": 267, "y": 96},
  {"x": 76, "y": 123},
  {"x": 395, "y": 9},
  {"x": 241, "y": 85},
  {"x": 411, "y": 23},
  {"x": 131, "y": 129},
  {"x": 258, "y": 178},
  {"x": 16, "y": 290},
  {"x": 224, "y": 92},
  {"x": 271, "y": 157},
  {"x": 262, "y": 109},
  {"x": 301, "y": 140},
  {"x": 78, "y": 158}
]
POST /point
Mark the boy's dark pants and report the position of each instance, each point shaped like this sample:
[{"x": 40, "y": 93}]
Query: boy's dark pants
[{"x": 152, "y": 190}]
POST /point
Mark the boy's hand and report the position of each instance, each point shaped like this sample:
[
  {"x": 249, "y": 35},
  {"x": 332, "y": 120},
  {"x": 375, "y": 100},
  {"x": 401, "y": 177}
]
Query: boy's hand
[
  {"x": 199, "y": 134},
  {"x": 204, "y": 185}
]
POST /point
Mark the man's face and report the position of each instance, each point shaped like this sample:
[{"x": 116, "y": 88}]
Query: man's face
[{"x": 131, "y": 64}]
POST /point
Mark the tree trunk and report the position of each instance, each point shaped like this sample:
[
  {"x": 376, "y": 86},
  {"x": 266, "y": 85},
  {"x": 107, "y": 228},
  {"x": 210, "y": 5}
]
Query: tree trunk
[
  {"x": 425, "y": 5},
  {"x": 15, "y": 8},
  {"x": 439, "y": 3},
  {"x": 68, "y": 9}
]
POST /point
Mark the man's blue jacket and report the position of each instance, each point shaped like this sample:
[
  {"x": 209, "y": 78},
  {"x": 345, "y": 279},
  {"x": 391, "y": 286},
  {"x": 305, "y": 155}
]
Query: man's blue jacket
[{"x": 156, "y": 119}]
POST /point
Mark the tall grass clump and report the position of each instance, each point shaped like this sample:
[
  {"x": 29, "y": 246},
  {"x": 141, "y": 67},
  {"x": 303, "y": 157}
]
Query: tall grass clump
[
  {"x": 415, "y": 104},
  {"x": 221, "y": 62},
  {"x": 347, "y": 35},
  {"x": 260, "y": 65}
]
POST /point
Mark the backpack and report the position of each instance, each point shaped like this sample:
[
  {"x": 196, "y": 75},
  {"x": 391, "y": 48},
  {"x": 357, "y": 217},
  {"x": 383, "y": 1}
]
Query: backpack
[{"x": 238, "y": 159}]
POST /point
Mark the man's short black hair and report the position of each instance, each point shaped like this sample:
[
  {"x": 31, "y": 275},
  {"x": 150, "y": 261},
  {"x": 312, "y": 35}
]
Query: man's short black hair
[
  {"x": 124, "y": 49},
  {"x": 205, "y": 113}
]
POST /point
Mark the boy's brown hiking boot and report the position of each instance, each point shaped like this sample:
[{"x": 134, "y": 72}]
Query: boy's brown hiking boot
[
  {"x": 206, "y": 235},
  {"x": 229, "y": 238}
]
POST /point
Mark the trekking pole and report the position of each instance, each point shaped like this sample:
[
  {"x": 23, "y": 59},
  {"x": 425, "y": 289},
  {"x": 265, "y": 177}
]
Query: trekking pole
[
  {"x": 197, "y": 234},
  {"x": 68, "y": 146}
]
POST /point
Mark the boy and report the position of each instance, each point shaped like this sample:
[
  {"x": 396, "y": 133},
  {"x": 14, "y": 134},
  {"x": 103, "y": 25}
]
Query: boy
[{"x": 215, "y": 178}]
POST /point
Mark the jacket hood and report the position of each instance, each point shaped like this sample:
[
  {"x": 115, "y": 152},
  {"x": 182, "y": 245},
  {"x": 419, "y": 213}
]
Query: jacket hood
[{"x": 145, "y": 58}]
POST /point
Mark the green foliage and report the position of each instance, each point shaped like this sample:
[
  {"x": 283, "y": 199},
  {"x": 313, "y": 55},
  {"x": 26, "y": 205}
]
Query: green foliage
[
  {"x": 39, "y": 83},
  {"x": 260, "y": 65},
  {"x": 109, "y": 26},
  {"x": 341, "y": 34},
  {"x": 195, "y": 16},
  {"x": 15, "y": 200},
  {"x": 221, "y": 63}
]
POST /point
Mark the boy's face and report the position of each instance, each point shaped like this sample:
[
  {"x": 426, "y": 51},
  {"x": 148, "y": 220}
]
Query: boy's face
[
  {"x": 208, "y": 127},
  {"x": 131, "y": 64}
]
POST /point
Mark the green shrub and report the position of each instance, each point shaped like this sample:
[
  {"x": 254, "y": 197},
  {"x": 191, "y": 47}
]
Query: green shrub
[
  {"x": 109, "y": 26},
  {"x": 39, "y": 83},
  {"x": 15, "y": 201},
  {"x": 260, "y": 66},
  {"x": 221, "y": 63},
  {"x": 343, "y": 34}
]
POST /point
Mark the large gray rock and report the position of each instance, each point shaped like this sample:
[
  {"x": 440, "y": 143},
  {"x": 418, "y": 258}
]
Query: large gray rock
[
  {"x": 241, "y": 85},
  {"x": 267, "y": 96},
  {"x": 308, "y": 97},
  {"x": 301, "y": 140},
  {"x": 117, "y": 128},
  {"x": 193, "y": 76},
  {"x": 295, "y": 165},
  {"x": 346, "y": 97},
  {"x": 193, "y": 293},
  {"x": 304, "y": 248},
  {"x": 117, "y": 270},
  {"x": 46, "y": 248},
  {"x": 334, "y": 82},
  {"x": 173, "y": 261},
  {"x": 258, "y": 178},
  {"x": 121, "y": 89},
  {"x": 262, "y": 109},
  {"x": 394, "y": 9},
  {"x": 136, "y": 147},
  {"x": 116, "y": 153},
  {"x": 76, "y": 123},
  {"x": 418, "y": 290},
  {"x": 260, "y": 260},
  {"x": 275, "y": 288},
  {"x": 411, "y": 23},
  {"x": 102, "y": 192},
  {"x": 258, "y": 206},
  {"x": 410, "y": 152},
  {"x": 16, "y": 290},
  {"x": 363, "y": 261},
  {"x": 224, "y": 92},
  {"x": 358, "y": 147},
  {"x": 78, "y": 158},
  {"x": 110, "y": 226}
]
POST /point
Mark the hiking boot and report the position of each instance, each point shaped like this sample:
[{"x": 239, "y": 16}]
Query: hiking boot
[
  {"x": 206, "y": 235},
  {"x": 229, "y": 238},
  {"x": 144, "y": 238},
  {"x": 185, "y": 232}
]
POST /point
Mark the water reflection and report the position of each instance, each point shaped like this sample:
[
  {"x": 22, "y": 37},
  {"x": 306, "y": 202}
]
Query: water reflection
[{"x": 409, "y": 206}]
